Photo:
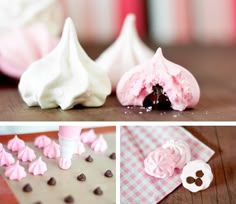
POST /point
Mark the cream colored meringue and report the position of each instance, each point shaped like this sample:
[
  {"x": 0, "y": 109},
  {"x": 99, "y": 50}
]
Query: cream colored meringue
[
  {"x": 65, "y": 78},
  {"x": 99, "y": 145},
  {"x": 42, "y": 141},
  {"x": 26, "y": 154},
  {"x": 15, "y": 144},
  {"x": 15, "y": 172},
  {"x": 37, "y": 167},
  {"x": 80, "y": 148},
  {"x": 126, "y": 52},
  {"x": 1, "y": 147},
  {"x": 6, "y": 158},
  {"x": 64, "y": 163},
  {"x": 52, "y": 151},
  {"x": 88, "y": 137},
  {"x": 181, "y": 151},
  {"x": 18, "y": 13},
  {"x": 190, "y": 171}
]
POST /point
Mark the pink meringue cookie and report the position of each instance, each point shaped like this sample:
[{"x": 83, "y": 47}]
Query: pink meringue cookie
[
  {"x": 160, "y": 163},
  {"x": 80, "y": 148},
  {"x": 26, "y": 154},
  {"x": 64, "y": 163},
  {"x": 23, "y": 46},
  {"x": 37, "y": 167},
  {"x": 15, "y": 172},
  {"x": 15, "y": 144},
  {"x": 1, "y": 147},
  {"x": 99, "y": 145},
  {"x": 52, "y": 151},
  {"x": 180, "y": 150},
  {"x": 6, "y": 158},
  {"x": 177, "y": 85},
  {"x": 88, "y": 137},
  {"x": 42, "y": 141}
]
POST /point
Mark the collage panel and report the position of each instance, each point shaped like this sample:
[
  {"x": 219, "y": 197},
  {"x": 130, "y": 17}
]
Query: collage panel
[
  {"x": 57, "y": 164},
  {"x": 173, "y": 164}
]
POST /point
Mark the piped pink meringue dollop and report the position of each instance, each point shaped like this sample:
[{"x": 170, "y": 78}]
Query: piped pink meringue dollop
[
  {"x": 88, "y": 137},
  {"x": 180, "y": 150},
  {"x": 26, "y": 154},
  {"x": 80, "y": 148},
  {"x": 15, "y": 172},
  {"x": 15, "y": 144},
  {"x": 160, "y": 163},
  {"x": 1, "y": 147},
  {"x": 37, "y": 167},
  {"x": 52, "y": 151},
  {"x": 65, "y": 163},
  {"x": 99, "y": 145},
  {"x": 42, "y": 141},
  {"x": 6, "y": 158}
]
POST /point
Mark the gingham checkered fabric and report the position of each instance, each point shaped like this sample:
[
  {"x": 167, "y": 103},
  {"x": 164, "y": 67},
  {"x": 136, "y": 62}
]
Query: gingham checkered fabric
[{"x": 137, "y": 187}]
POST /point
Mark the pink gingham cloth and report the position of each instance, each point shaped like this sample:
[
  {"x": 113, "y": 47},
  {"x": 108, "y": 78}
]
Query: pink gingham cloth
[{"x": 136, "y": 142}]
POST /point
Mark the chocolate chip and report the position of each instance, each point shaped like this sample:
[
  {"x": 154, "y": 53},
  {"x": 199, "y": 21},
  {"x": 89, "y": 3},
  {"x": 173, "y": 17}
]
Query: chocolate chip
[
  {"x": 98, "y": 191},
  {"x": 89, "y": 159},
  {"x": 51, "y": 182},
  {"x": 157, "y": 99},
  {"x": 113, "y": 156},
  {"x": 69, "y": 199},
  {"x": 190, "y": 180},
  {"x": 198, "y": 182},
  {"x": 81, "y": 177},
  {"x": 108, "y": 174},
  {"x": 199, "y": 174},
  {"x": 27, "y": 188},
  {"x": 38, "y": 202}
]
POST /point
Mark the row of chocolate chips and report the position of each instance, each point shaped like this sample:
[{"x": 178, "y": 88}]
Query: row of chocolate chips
[{"x": 90, "y": 159}]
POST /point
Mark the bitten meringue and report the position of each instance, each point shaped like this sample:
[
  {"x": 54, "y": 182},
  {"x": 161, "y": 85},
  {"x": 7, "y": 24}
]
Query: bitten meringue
[
  {"x": 6, "y": 158},
  {"x": 126, "y": 52},
  {"x": 26, "y": 154},
  {"x": 160, "y": 163},
  {"x": 37, "y": 167},
  {"x": 174, "y": 85},
  {"x": 65, "y": 78},
  {"x": 196, "y": 176},
  {"x": 52, "y": 151},
  {"x": 180, "y": 150},
  {"x": 99, "y": 145},
  {"x": 15, "y": 172},
  {"x": 42, "y": 141},
  {"x": 15, "y": 144},
  {"x": 80, "y": 148},
  {"x": 88, "y": 137}
]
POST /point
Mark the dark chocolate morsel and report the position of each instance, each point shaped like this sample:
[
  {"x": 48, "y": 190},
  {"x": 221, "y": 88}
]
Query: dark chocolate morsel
[
  {"x": 38, "y": 202},
  {"x": 81, "y": 177},
  {"x": 113, "y": 156},
  {"x": 51, "y": 182},
  {"x": 190, "y": 180},
  {"x": 98, "y": 191},
  {"x": 198, "y": 182},
  {"x": 108, "y": 174},
  {"x": 199, "y": 174},
  {"x": 27, "y": 188},
  {"x": 69, "y": 199},
  {"x": 89, "y": 159}
]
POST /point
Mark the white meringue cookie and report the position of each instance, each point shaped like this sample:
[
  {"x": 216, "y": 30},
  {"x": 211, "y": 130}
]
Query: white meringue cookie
[
  {"x": 196, "y": 176},
  {"x": 182, "y": 151},
  {"x": 126, "y": 52},
  {"x": 66, "y": 77}
]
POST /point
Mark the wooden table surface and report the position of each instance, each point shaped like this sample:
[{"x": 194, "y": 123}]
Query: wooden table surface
[
  {"x": 214, "y": 68},
  {"x": 223, "y": 188}
]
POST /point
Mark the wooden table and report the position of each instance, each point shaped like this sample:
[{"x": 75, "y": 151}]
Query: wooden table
[
  {"x": 223, "y": 188},
  {"x": 214, "y": 68}
]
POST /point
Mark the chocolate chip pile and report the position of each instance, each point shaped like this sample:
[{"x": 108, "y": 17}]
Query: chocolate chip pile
[{"x": 198, "y": 180}]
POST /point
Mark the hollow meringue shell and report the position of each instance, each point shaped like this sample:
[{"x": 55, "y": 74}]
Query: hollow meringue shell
[
  {"x": 37, "y": 167},
  {"x": 66, "y": 77},
  {"x": 26, "y": 154},
  {"x": 88, "y": 137},
  {"x": 99, "y": 145},
  {"x": 15, "y": 172},
  {"x": 42, "y": 141},
  {"x": 6, "y": 158},
  {"x": 126, "y": 52},
  {"x": 15, "y": 144},
  {"x": 52, "y": 151}
]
